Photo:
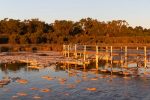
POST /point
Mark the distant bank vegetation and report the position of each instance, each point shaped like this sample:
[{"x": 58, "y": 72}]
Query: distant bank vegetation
[{"x": 85, "y": 31}]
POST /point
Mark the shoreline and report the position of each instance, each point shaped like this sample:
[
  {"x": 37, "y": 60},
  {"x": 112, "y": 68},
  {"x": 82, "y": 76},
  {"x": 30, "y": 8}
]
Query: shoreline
[
  {"x": 59, "y": 47},
  {"x": 40, "y": 58}
]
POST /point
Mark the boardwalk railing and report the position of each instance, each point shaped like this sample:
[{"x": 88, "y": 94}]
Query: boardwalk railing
[{"x": 124, "y": 56}]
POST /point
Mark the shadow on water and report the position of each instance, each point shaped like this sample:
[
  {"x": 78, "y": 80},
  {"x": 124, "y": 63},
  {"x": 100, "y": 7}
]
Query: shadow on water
[{"x": 12, "y": 66}]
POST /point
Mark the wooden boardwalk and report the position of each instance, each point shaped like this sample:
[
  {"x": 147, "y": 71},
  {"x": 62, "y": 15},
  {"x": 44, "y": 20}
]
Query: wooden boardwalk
[{"x": 120, "y": 56}]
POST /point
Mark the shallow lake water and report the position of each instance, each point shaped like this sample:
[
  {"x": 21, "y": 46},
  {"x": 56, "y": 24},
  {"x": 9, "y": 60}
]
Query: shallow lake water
[{"x": 51, "y": 84}]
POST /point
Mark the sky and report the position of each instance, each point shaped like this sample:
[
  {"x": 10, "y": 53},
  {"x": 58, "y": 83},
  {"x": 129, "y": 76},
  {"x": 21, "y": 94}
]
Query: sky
[{"x": 135, "y": 12}]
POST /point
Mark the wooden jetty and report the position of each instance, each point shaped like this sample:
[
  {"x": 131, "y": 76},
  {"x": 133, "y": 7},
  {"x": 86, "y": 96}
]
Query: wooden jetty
[{"x": 120, "y": 56}]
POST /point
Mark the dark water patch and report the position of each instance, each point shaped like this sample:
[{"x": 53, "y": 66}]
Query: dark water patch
[
  {"x": 12, "y": 66},
  {"x": 42, "y": 54}
]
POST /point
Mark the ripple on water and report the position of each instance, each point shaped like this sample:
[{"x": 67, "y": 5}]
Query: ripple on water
[{"x": 85, "y": 85}]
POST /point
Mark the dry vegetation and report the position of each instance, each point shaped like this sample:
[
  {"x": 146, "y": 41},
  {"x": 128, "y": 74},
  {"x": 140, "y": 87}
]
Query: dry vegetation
[{"x": 85, "y": 31}]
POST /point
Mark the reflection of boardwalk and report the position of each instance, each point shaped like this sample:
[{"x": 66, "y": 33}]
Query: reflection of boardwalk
[{"x": 124, "y": 58}]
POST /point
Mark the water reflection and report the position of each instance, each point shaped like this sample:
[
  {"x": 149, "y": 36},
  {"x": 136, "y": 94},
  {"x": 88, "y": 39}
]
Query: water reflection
[
  {"x": 70, "y": 82},
  {"x": 6, "y": 69},
  {"x": 12, "y": 67}
]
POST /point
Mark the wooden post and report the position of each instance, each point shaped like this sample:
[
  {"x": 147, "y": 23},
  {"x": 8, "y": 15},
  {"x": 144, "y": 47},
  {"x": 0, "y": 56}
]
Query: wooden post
[
  {"x": 107, "y": 54},
  {"x": 111, "y": 58},
  {"x": 126, "y": 51},
  {"x": 97, "y": 57},
  {"x": 106, "y": 49},
  {"x": 137, "y": 49},
  {"x": 84, "y": 53},
  {"x": 64, "y": 50},
  {"x": 121, "y": 59},
  {"x": 145, "y": 62},
  {"x": 27, "y": 64},
  {"x": 65, "y": 53},
  {"x": 111, "y": 53},
  {"x": 121, "y": 51}
]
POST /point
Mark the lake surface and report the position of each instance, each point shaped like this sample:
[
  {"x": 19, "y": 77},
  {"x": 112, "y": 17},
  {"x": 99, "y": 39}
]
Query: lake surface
[{"x": 71, "y": 85}]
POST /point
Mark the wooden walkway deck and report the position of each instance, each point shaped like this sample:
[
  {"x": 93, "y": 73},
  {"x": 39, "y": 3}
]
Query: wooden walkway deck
[{"x": 121, "y": 56}]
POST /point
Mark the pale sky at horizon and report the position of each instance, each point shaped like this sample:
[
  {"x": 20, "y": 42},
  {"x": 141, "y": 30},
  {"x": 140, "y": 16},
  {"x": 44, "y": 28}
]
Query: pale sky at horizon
[{"x": 135, "y": 12}]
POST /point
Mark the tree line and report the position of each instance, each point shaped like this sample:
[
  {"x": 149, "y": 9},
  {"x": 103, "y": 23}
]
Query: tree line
[{"x": 85, "y": 31}]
